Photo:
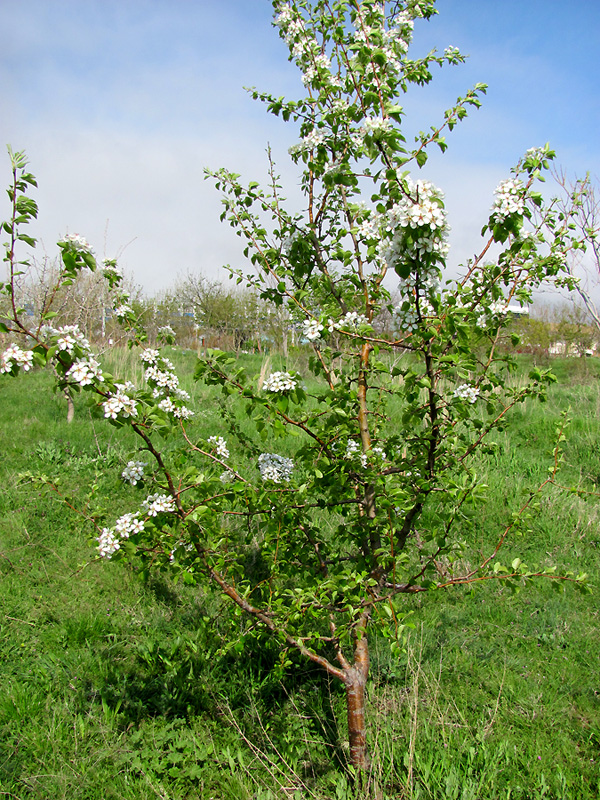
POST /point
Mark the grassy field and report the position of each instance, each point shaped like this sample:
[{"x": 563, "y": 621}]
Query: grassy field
[{"x": 115, "y": 688}]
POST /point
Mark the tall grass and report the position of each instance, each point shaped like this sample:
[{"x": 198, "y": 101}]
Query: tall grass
[{"x": 112, "y": 687}]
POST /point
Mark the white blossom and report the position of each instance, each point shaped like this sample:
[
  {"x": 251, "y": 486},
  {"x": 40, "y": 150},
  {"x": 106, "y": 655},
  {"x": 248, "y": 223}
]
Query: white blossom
[
  {"x": 374, "y": 125},
  {"x": 68, "y": 337},
  {"x": 275, "y": 468},
  {"x": 312, "y": 140},
  {"x": 352, "y": 320},
  {"x": 108, "y": 543},
  {"x": 220, "y": 446},
  {"x": 182, "y": 412},
  {"x": 509, "y": 199},
  {"x": 123, "y": 309},
  {"x": 165, "y": 380},
  {"x": 128, "y": 386},
  {"x": 79, "y": 242},
  {"x": 134, "y": 472},
  {"x": 407, "y": 317},
  {"x": 312, "y": 329},
  {"x": 279, "y": 382},
  {"x": 110, "y": 268},
  {"x": 353, "y": 450},
  {"x": 149, "y": 356},
  {"x": 451, "y": 51},
  {"x": 467, "y": 392},
  {"x": 420, "y": 210},
  {"x": 84, "y": 371},
  {"x": 110, "y": 539},
  {"x": 167, "y": 405},
  {"x": 14, "y": 355},
  {"x": 119, "y": 404},
  {"x": 158, "y": 503},
  {"x": 128, "y": 524},
  {"x": 166, "y": 331}
]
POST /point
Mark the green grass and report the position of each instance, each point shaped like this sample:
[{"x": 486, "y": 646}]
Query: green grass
[{"x": 111, "y": 687}]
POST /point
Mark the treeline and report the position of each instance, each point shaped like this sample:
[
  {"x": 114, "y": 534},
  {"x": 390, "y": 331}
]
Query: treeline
[
  {"x": 564, "y": 328},
  {"x": 205, "y": 312}
]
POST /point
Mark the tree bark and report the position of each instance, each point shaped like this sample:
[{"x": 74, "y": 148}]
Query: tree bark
[
  {"x": 355, "y": 679},
  {"x": 70, "y": 406}
]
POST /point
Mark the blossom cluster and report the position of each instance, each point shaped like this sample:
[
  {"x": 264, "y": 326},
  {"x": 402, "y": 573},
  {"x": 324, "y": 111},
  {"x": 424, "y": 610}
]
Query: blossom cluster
[
  {"x": 119, "y": 404},
  {"x": 304, "y": 48},
  {"x": 110, "y": 539},
  {"x": 68, "y": 338},
  {"x": 77, "y": 242},
  {"x": 179, "y": 412},
  {"x": 134, "y": 472},
  {"x": 220, "y": 446},
  {"x": 275, "y": 468},
  {"x": 319, "y": 74},
  {"x": 156, "y": 504},
  {"x": 421, "y": 208},
  {"x": 312, "y": 329},
  {"x": 166, "y": 333},
  {"x": 391, "y": 44},
  {"x": 498, "y": 308},
  {"x": 280, "y": 382},
  {"x": 467, "y": 392},
  {"x": 353, "y": 450},
  {"x": 123, "y": 309},
  {"x": 351, "y": 321},
  {"x": 108, "y": 543},
  {"x": 13, "y": 356},
  {"x": 509, "y": 199},
  {"x": 111, "y": 269},
  {"x": 128, "y": 524},
  {"x": 149, "y": 356},
  {"x": 160, "y": 376},
  {"x": 408, "y": 317},
  {"x": 413, "y": 233},
  {"x": 374, "y": 126},
  {"x": 84, "y": 371}
]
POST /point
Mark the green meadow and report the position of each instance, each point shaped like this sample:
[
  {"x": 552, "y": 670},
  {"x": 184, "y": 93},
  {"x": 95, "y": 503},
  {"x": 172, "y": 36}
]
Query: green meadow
[{"x": 112, "y": 686}]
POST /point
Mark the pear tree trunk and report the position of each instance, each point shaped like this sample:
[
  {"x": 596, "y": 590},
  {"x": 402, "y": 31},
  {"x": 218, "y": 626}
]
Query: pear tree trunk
[
  {"x": 355, "y": 680},
  {"x": 70, "y": 406}
]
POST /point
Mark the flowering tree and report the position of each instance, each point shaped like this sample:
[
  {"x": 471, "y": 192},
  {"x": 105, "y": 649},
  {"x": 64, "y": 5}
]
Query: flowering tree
[{"x": 362, "y": 495}]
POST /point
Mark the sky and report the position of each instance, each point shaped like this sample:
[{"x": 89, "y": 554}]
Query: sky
[{"x": 121, "y": 104}]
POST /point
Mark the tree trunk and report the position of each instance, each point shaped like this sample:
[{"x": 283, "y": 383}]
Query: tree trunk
[
  {"x": 355, "y": 679},
  {"x": 70, "y": 406},
  {"x": 284, "y": 343}
]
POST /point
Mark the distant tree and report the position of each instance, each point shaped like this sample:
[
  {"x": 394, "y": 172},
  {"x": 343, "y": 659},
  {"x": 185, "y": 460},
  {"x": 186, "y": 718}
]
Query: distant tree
[
  {"x": 574, "y": 326},
  {"x": 534, "y": 334},
  {"x": 579, "y": 203},
  {"x": 234, "y": 317}
]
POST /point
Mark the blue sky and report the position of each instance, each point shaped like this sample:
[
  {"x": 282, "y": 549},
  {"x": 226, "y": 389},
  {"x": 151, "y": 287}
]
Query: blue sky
[{"x": 121, "y": 103}]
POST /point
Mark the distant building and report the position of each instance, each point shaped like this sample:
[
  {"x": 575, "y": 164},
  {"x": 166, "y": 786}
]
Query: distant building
[{"x": 518, "y": 311}]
